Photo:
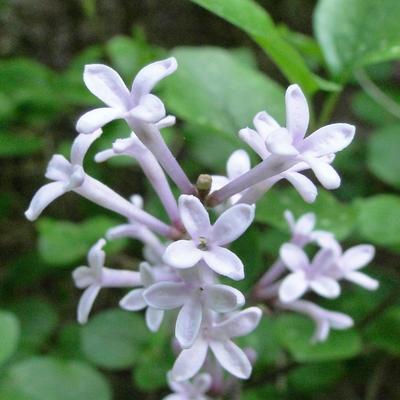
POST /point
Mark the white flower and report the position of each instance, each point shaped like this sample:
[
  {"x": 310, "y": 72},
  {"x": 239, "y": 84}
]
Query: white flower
[
  {"x": 190, "y": 390},
  {"x": 217, "y": 337},
  {"x": 316, "y": 150},
  {"x": 139, "y": 103},
  {"x": 134, "y": 300},
  {"x": 207, "y": 240},
  {"x": 193, "y": 295},
  {"x": 306, "y": 275},
  {"x": 96, "y": 276}
]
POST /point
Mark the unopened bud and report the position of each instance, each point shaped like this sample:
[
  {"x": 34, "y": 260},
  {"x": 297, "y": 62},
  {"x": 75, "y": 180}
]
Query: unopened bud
[{"x": 203, "y": 185}]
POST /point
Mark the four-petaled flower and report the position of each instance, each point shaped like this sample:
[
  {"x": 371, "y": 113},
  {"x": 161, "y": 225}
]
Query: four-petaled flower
[
  {"x": 207, "y": 240},
  {"x": 187, "y": 390},
  {"x": 306, "y": 275},
  {"x": 139, "y": 103}
]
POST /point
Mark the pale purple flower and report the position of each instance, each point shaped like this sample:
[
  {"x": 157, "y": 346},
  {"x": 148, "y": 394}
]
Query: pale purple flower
[
  {"x": 349, "y": 262},
  {"x": 193, "y": 295},
  {"x": 307, "y": 275},
  {"x": 134, "y": 300},
  {"x": 138, "y": 103},
  {"x": 187, "y": 390},
  {"x": 325, "y": 320},
  {"x": 217, "y": 336},
  {"x": 207, "y": 240},
  {"x": 96, "y": 276}
]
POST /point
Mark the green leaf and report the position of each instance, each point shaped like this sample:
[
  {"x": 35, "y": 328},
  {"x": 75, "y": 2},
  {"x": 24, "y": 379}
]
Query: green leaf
[
  {"x": 47, "y": 378},
  {"x": 257, "y": 23},
  {"x": 38, "y": 321},
  {"x": 332, "y": 215},
  {"x": 15, "y": 145},
  {"x": 378, "y": 219},
  {"x": 383, "y": 154},
  {"x": 384, "y": 332},
  {"x": 62, "y": 242},
  {"x": 223, "y": 95},
  {"x": 354, "y": 33},
  {"x": 294, "y": 333},
  {"x": 113, "y": 339},
  {"x": 9, "y": 334}
]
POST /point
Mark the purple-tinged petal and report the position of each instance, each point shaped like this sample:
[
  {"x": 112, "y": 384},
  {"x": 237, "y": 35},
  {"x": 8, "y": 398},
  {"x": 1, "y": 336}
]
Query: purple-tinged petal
[
  {"x": 290, "y": 220},
  {"x": 190, "y": 361},
  {"x": 182, "y": 254},
  {"x": 96, "y": 119},
  {"x": 293, "y": 287},
  {"x": 232, "y": 358},
  {"x": 294, "y": 257},
  {"x": 224, "y": 262},
  {"x": 146, "y": 274},
  {"x": 82, "y": 276},
  {"x": 150, "y": 109},
  {"x": 297, "y": 113},
  {"x": 43, "y": 197},
  {"x": 362, "y": 280},
  {"x": 238, "y": 163},
  {"x": 133, "y": 301},
  {"x": 232, "y": 223},
  {"x": 264, "y": 124},
  {"x": 169, "y": 120},
  {"x": 202, "y": 383},
  {"x": 166, "y": 295},
  {"x": 304, "y": 186},
  {"x": 328, "y": 139},
  {"x": 150, "y": 75},
  {"x": 323, "y": 260},
  {"x": 239, "y": 324},
  {"x": 189, "y": 321},
  {"x": 58, "y": 168},
  {"x": 255, "y": 141},
  {"x": 223, "y": 298},
  {"x": 194, "y": 216},
  {"x": 306, "y": 223},
  {"x": 97, "y": 256},
  {"x": 325, "y": 286},
  {"x": 154, "y": 318},
  {"x": 86, "y": 303},
  {"x": 357, "y": 257},
  {"x": 107, "y": 85},
  {"x": 280, "y": 142},
  {"x": 322, "y": 330},
  {"x": 81, "y": 145},
  {"x": 339, "y": 320},
  {"x": 324, "y": 172}
]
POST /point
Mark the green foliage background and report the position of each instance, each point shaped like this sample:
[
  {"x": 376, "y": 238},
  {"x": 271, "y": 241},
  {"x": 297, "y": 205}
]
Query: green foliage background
[{"x": 235, "y": 58}]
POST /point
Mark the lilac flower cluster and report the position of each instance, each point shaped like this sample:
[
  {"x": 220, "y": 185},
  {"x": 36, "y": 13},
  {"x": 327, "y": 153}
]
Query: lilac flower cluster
[{"x": 185, "y": 256}]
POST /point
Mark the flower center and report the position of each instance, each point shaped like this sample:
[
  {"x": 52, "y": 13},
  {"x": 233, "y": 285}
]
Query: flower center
[{"x": 202, "y": 243}]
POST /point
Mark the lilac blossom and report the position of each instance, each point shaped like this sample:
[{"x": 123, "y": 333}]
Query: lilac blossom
[
  {"x": 206, "y": 241},
  {"x": 96, "y": 276},
  {"x": 217, "y": 336},
  {"x": 187, "y": 390},
  {"x": 192, "y": 294},
  {"x": 307, "y": 275},
  {"x": 134, "y": 300}
]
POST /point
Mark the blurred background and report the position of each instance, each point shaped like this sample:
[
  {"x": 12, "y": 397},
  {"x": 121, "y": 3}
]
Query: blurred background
[{"x": 224, "y": 78}]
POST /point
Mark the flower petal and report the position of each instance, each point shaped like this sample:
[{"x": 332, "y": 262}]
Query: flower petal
[
  {"x": 294, "y": 257},
  {"x": 293, "y": 287},
  {"x": 188, "y": 322},
  {"x": 97, "y": 256},
  {"x": 169, "y": 120},
  {"x": 166, "y": 295},
  {"x": 190, "y": 361},
  {"x": 146, "y": 274},
  {"x": 182, "y": 254},
  {"x": 255, "y": 141},
  {"x": 194, "y": 216},
  {"x": 339, "y": 320},
  {"x": 280, "y": 142},
  {"x": 133, "y": 301},
  {"x": 328, "y": 139},
  {"x": 202, "y": 383},
  {"x": 297, "y": 114},
  {"x": 223, "y": 298},
  {"x": 58, "y": 168},
  {"x": 238, "y": 163},
  {"x": 264, "y": 124},
  {"x": 362, "y": 279},
  {"x": 150, "y": 109},
  {"x": 151, "y": 74},
  {"x": 239, "y": 324},
  {"x": 96, "y": 119},
  {"x": 82, "y": 277},
  {"x": 224, "y": 262},
  {"x": 232, "y": 358},
  {"x": 357, "y": 257},
  {"x": 321, "y": 332},
  {"x": 325, "y": 286},
  {"x": 43, "y": 197},
  {"x": 305, "y": 187},
  {"x": 306, "y": 223},
  {"x": 232, "y": 223},
  {"x": 324, "y": 172},
  {"x": 86, "y": 302},
  {"x": 107, "y": 85},
  {"x": 154, "y": 318},
  {"x": 323, "y": 260},
  {"x": 290, "y": 220}
]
